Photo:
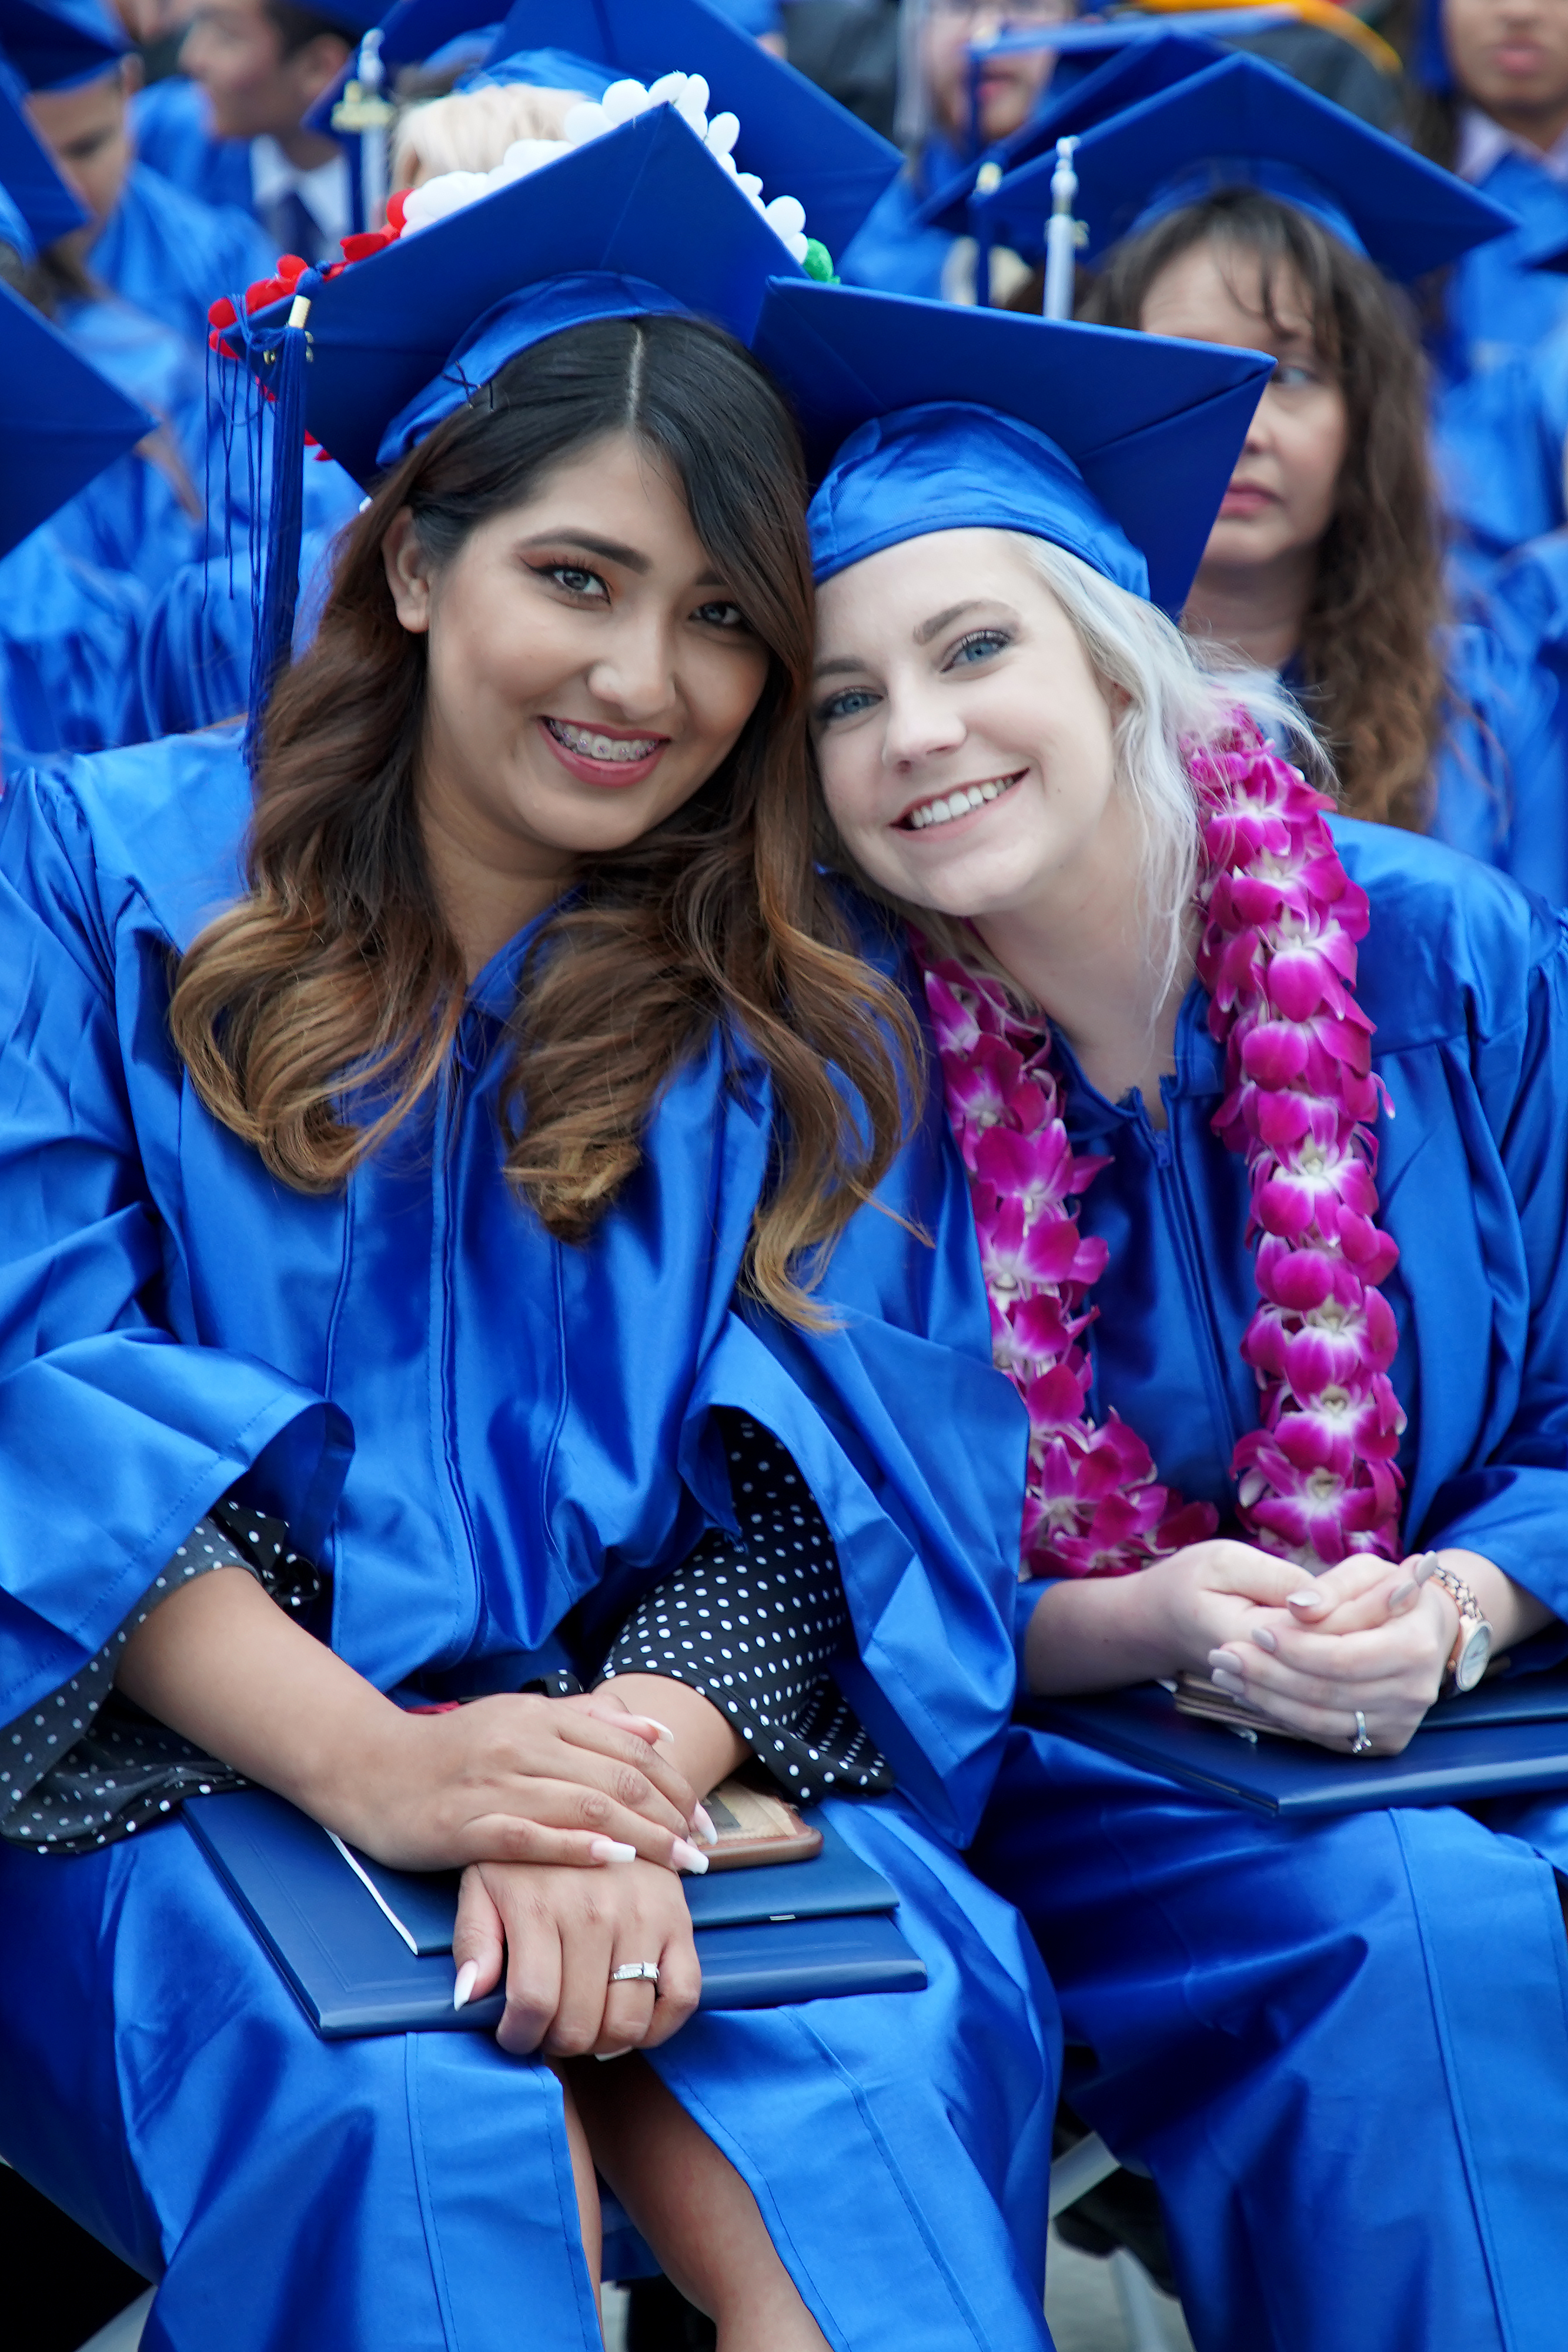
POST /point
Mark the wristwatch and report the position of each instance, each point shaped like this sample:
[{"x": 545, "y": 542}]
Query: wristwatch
[{"x": 1473, "y": 1651}]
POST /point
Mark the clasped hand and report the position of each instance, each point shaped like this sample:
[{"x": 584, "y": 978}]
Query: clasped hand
[{"x": 1365, "y": 1638}]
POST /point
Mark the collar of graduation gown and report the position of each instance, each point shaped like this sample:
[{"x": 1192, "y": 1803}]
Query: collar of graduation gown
[{"x": 189, "y": 871}]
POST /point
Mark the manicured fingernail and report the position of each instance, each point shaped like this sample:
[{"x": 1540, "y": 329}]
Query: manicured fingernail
[
  {"x": 1225, "y": 1658},
  {"x": 1428, "y": 1565},
  {"x": 687, "y": 1856},
  {"x": 663, "y": 1737},
  {"x": 1306, "y": 1602},
  {"x": 603, "y": 1849},
  {"x": 1402, "y": 1596},
  {"x": 605, "y": 2056},
  {"x": 463, "y": 1990},
  {"x": 702, "y": 1822},
  {"x": 1264, "y": 1639},
  {"x": 1232, "y": 1685}
]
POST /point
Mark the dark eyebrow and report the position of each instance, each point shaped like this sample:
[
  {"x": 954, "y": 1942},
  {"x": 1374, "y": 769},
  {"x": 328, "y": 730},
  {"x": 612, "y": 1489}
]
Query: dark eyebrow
[
  {"x": 843, "y": 667},
  {"x": 609, "y": 551}
]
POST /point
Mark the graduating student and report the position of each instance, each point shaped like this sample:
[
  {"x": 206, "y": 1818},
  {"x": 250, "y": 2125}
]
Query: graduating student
[
  {"x": 230, "y": 127},
  {"x": 468, "y": 1162},
  {"x": 1263, "y": 1111},
  {"x": 161, "y": 250},
  {"x": 1239, "y": 208}
]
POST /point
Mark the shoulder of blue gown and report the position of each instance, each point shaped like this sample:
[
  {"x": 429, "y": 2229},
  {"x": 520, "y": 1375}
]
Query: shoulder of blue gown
[
  {"x": 171, "y": 255},
  {"x": 173, "y": 134},
  {"x": 1451, "y": 945},
  {"x": 893, "y": 253},
  {"x": 165, "y": 821}
]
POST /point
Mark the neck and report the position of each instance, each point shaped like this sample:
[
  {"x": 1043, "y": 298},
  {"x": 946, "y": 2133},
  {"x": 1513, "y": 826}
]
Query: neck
[
  {"x": 307, "y": 148},
  {"x": 1079, "y": 956},
  {"x": 1539, "y": 126},
  {"x": 1253, "y": 613},
  {"x": 488, "y": 890}
]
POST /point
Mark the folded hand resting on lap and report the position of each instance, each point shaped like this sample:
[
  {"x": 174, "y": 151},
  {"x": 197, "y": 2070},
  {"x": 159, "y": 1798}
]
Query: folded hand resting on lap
[{"x": 565, "y": 1931}]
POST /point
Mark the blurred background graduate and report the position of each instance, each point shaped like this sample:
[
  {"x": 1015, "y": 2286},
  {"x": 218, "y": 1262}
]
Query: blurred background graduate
[{"x": 1239, "y": 207}]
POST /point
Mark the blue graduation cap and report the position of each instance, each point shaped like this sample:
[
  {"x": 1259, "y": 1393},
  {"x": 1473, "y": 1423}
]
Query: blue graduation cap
[
  {"x": 352, "y": 18},
  {"x": 1122, "y": 72},
  {"x": 1427, "y": 63},
  {"x": 642, "y": 220},
  {"x": 60, "y": 421},
  {"x": 1242, "y": 123},
  {"x": 921, "y": 416},
  {"x": 51, "y": 45},
  {"x": 29, "y": 175},
  {"x": 795, "y": 138}
]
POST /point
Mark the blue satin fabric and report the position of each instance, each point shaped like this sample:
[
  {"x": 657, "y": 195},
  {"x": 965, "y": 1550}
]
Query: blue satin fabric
[
  {"x": 1342, "y": 2049},
  {"x": 1496, "y": 306},
  {"x": 193, "y": 644},
  {"x": 172, "y": 122},
  {"x": 1501, "y": 770},
  {"x": 474, "y": 1428},
  {"x": 171, "y": 255},
  {"x": 157, "y": 2080}
]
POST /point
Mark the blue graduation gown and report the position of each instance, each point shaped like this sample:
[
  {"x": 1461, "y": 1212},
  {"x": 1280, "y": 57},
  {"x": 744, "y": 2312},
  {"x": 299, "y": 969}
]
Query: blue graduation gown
[
  {"x": 70, "y": 643},
  {"x": 1497, "y": 304},
  {"x": 474, "y": 1428},
  {"x": 1501, "y": 770},
  {"x": 174, "y": 133},
  {"x": 172, "y": 255},
  {"x": 1340, "y": 2049}
]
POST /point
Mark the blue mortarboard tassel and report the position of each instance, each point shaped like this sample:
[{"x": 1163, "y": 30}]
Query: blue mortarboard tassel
[{"x": 286, "y": 362}]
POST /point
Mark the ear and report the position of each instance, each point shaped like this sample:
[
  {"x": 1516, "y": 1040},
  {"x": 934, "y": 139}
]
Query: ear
[
  {"x": 408, "y": 573},
  {"x": 318, "y": 65}
]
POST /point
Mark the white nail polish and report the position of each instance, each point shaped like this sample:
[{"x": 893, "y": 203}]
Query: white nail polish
[
  {"x": 463, "y": 1990},
  {"x": 702, "y": 1821},
  {"x": 663, "y": 1738},
  {"x": 603, "y": 1849},
  {"x": 689, "y": 1857},
  {"x": 605, "y": 2056}
]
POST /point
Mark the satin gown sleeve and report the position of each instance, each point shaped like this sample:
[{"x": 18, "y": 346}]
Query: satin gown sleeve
[{"x": 114, "y": 1438}]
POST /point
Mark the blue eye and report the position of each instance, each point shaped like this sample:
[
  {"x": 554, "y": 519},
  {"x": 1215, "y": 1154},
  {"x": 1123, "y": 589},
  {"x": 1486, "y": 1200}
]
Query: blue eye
[
  {"x": 721, "y": 615},
  {"x": 1292, "y": 375},
  {"x": 979, "y": 646},
  {"x": 848, "y": 705}
]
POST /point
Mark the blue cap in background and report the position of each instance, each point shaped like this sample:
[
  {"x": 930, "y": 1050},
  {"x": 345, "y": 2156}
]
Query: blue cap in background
[
  {"x": 1127, "y": 71},
  {"x": 1242, "y": 123},
  {"x": 60, "y": 421},
  {"x": 29, "y": 173},
  {"x": 66, "y": 41},
  {"x": 1427, "y": 63},
  {"x": 799, "y": 141},
  {"x": 1118, "y": 446}
]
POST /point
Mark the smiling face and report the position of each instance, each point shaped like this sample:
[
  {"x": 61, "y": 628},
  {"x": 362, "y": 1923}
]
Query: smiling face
[
  {"x": 588, "y": 670},
  {"x": 964, "y": 742},
  {"x": 1282, "y": 493}
]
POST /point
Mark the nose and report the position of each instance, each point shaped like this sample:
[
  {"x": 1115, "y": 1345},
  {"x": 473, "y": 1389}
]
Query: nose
[
  {"x": 921, "y": 724},
  {"x": 635, "y": 674}
]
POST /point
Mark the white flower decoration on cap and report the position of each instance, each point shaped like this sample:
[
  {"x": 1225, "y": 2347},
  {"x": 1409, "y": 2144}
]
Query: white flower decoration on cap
[{"x": 451, "y": 191}]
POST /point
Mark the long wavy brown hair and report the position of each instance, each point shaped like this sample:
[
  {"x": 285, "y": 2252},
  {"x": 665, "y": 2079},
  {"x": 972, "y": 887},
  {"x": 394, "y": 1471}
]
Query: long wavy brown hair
[
  {"x": 337, "y": 978},
  {"x": 1373, "y": 679}
]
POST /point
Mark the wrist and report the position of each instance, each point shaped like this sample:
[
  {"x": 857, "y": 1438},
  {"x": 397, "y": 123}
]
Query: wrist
[{"x": 357, "y": 1768}]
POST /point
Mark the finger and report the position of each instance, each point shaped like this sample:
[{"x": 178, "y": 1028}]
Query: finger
[
  {"x": 1336, "y": 1727},
  {"x": 1393, "y": 1646},
  {"x": 589, "y": 1935},
  {"x": 566, "y": 1822},
  {"x": 628, "y": 2009},
  {"x": 1406, "y": 1682},
  {"x": 533, "y": 1977},
  {"x": 680, "y": 1986},
  {"x": 606, "y": 1706},
  {"x": 638, "y": 1777},
  {"x": 478, "y": 1941},
  {"x": 1311, "y": 1599}
]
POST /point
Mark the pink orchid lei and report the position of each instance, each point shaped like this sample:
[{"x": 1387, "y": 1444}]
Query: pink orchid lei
[{"x": 1317, "y": 1478}]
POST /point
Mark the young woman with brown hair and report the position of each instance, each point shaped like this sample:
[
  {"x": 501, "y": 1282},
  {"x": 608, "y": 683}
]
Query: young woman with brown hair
[
  {"x": 476, "y": 1170},
  {"x": 1326, "y": 562}
]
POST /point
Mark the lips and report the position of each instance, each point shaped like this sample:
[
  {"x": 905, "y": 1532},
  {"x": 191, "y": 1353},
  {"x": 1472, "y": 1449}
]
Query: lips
[{"x": 604, "y": 755}]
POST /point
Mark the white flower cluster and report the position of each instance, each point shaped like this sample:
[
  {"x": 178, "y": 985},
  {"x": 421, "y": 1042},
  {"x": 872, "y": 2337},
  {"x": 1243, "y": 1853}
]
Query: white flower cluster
[{"x": 451, "y": 191}]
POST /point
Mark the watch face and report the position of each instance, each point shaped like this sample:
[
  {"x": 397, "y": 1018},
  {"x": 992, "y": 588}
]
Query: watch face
[{"x": 1471, "y": 1662}]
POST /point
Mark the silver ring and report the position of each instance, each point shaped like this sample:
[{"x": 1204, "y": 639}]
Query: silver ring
[
  {"x": 1359, "y": 1745},
  {"x": 635, "y": 1972}
]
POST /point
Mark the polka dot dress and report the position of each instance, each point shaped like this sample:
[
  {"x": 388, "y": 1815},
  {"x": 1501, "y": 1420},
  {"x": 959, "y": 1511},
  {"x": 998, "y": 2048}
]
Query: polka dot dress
[
  {"x": 756, "y": 1622},
  {"x": 89, "y": 1768}
]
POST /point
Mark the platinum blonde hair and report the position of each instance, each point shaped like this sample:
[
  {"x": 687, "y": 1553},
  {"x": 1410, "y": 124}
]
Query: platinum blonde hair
[{"x": 1168, "y": 696}]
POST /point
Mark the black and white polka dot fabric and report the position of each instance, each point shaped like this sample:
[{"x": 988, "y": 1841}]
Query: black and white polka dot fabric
[
  {"x": 88, "y": 1767},
  {"x": 756, "y": 1622}
]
